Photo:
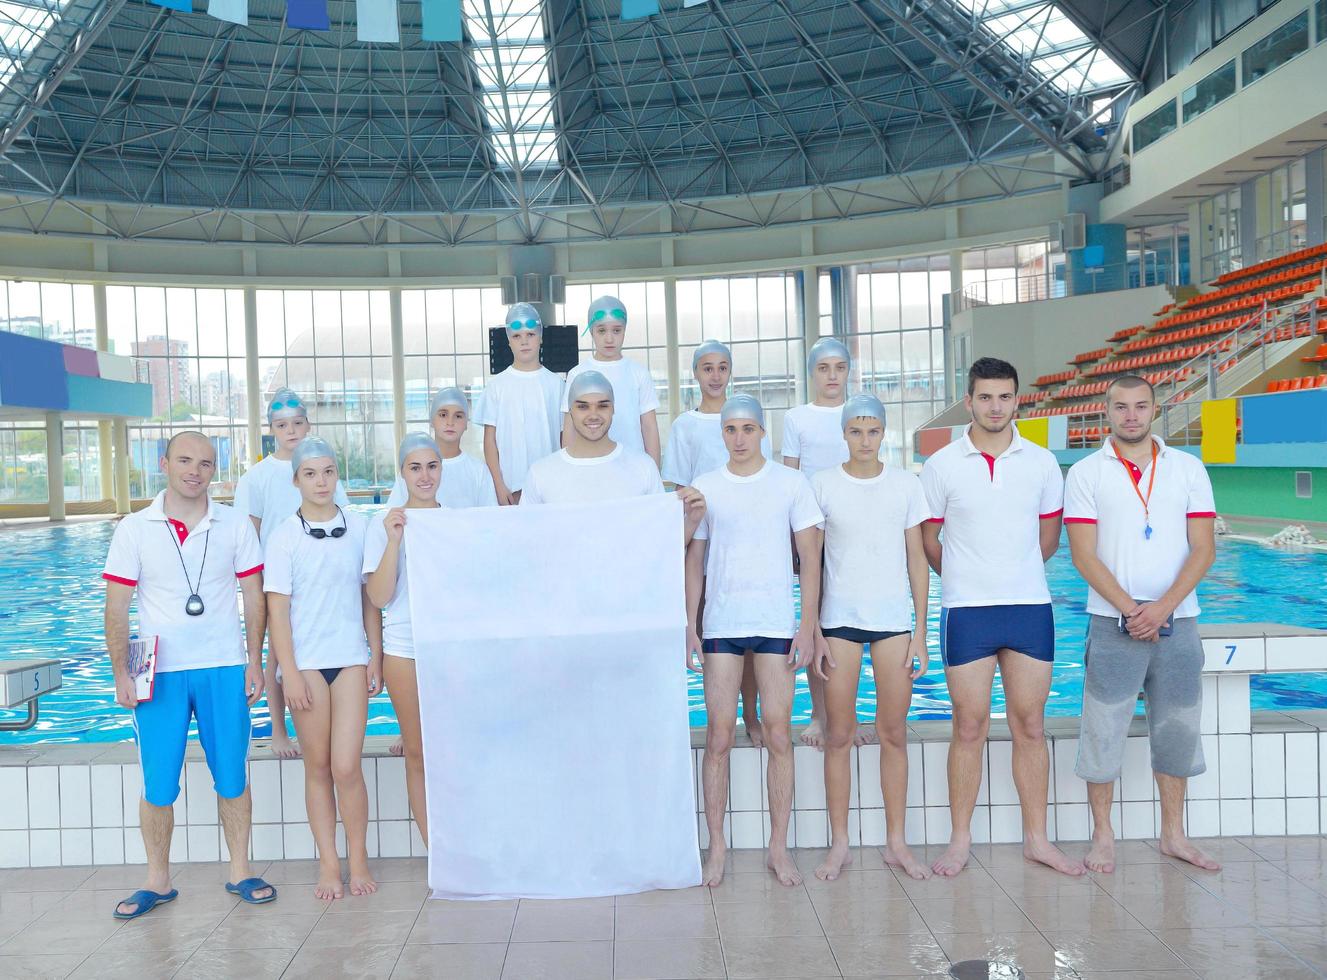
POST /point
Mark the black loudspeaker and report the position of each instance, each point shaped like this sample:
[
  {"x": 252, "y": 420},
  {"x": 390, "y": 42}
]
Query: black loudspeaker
[{"x": 559, "y": 352}]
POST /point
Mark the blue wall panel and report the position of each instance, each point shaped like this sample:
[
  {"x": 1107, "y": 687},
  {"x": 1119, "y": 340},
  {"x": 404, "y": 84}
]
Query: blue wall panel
[
  {"x": 32, "y": 373},
  {"x": 1291, "y": 416},
  {"x": 101, "y": 397}
]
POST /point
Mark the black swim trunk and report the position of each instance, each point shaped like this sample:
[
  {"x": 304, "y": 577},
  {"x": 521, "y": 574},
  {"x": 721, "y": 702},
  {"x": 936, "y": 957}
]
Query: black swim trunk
[
  {"x": 853, "y": 635},
  {"x": 330, "y": 674},
  {"x": 744, "y": 644}
]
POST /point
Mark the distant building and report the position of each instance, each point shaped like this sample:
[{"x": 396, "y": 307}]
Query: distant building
[{"x": 168, "y": 372}]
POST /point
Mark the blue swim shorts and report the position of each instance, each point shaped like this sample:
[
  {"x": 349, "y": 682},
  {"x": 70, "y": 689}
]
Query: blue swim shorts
[
  {"x": 744, "y": 644},
  {"x": 971, "y": 633}
]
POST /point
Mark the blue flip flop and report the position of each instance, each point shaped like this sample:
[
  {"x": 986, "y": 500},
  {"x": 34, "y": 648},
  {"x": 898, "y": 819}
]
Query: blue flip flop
[
  {"x": 146, "y": 901},
  {"x": 247, "y": 887}
]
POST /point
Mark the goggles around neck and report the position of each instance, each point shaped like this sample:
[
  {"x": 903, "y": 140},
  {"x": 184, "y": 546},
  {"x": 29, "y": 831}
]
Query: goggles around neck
[{"x": 319, "y": 533}]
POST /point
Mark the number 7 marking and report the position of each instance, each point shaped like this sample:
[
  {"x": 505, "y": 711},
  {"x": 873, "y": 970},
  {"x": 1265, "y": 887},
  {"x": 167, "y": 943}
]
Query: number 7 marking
[{"x": 1231, "y": 647}]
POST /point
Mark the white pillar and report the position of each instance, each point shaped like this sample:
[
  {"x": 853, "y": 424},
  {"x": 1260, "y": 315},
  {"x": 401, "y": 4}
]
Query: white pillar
[
  {"x": 670, "y": 333},
  {"x": 120, "y": 439},
  {"x": 55, "y": 466},
  {"x": 398, "y": 366},
  {"x": 103, "y": 426},
  {"x": 253, "y": 401},
  {"x": 810, "y": 327}
]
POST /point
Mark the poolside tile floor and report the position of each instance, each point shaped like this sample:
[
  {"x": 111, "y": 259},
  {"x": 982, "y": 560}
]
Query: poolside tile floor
[{"x": 1263, "y": 915}]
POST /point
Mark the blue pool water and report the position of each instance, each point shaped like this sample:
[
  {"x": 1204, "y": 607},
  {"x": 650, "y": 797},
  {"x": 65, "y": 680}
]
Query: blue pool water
[{"x": 52, "y": 599}]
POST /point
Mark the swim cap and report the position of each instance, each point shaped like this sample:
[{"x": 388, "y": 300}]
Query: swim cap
[
  {"x": 523, "y": 316},
  {"x": 285, "y": 404},
  {"x": 826, "y": 347},
  {"x": 862, "y": 405},
  {"x": 711, "y": 347},
  {"x": 742, "y": 407},
  {"x": 311, "y": 447},
  {"x": 589, "y": 383},
  {"x": 413, "y": 441},
  {"x": 449, "y": 396},
  {"x": 606, "y": 309}
]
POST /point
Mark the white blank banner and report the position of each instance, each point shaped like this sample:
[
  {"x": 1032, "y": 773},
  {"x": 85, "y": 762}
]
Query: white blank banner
[{"x": 550, "y": 644}]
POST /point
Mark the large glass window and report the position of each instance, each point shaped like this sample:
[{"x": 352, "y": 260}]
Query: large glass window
[
  {"x": 1278, "y": 47},
  {"x": 55, "y": 311},
  {"x": 1154, "y": 125},
  {"x": 1215, "y": 88}
]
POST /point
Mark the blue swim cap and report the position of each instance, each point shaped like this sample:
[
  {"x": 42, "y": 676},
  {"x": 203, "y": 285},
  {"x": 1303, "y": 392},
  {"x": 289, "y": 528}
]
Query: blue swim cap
[
  {"x": 742, "y": 407},
  {"x": 862, "y": 405},
  {"x": 412, "y": 442},
  {"x": 311, "y": 447},
  {"x": 589, "y": 383},
  {"x": 711, "y": 347}
]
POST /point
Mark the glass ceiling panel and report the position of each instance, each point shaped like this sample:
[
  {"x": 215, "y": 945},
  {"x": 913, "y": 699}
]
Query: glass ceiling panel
[{"x": 23, "y": 23}]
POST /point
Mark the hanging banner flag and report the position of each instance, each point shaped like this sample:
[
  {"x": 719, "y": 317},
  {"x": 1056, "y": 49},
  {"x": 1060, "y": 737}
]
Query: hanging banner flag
[
  {"x": 233, "y": 11},
  {"x": 308, "y": 15},
  {"x": 636, "y": 9},
  {"x": 185, "y": 6},
  {"x": 442, "y": 20},
  {"x": 377, "y": 21},
  {"x": 693, "y": 3}
]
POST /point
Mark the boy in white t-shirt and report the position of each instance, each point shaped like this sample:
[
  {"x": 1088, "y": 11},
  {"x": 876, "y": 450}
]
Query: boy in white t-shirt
[
  {"x": 875, "y": 583},
  {"x": 740, "y": 555},
  {"x": 327, "y": 638},
  {"x": 466, "y": 482},
  {"x": 265, "y": 492},
  {"x": 813, "y": 441},
  {"x": 521, "y": 408},
  {"x": 636, "y": 402}
]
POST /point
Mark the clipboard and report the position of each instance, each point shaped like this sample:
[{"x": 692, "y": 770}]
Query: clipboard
[{"x": 143, "y": 665}]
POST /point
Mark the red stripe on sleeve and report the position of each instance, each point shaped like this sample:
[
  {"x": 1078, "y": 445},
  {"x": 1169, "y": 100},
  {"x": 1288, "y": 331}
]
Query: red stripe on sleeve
[
  {"x": 1054, "y": 513},
  {"x": 1080, "y": 520},
  {"x": 251, "y": 571},
  {"x": 935, "y": 520},
  {"x": 1202, "y": 513},
  {"x": 122, "y": 581}
]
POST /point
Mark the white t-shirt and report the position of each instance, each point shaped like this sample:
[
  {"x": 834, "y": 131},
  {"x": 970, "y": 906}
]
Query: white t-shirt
[
  {"x": 865, "y": 579},
  {"x": 1101, "y": 490},
  {"x": 267, "y": 491},
  {"x": 813, "y": 435},
  {"x": 633, "y": 395},
  {"x": 695, "y": 446},
  {"x": 563, "y": 479},
  {"x": 143, "y": 555},
  {"x": 991, "y": 508},
  {"x": 525, "y": 407},
  {"x": 397, "y": 638},
  {"x": 748, "y": 565},
  {"x": 466, "y": 482},
  {"x": 323, "y": 581}
]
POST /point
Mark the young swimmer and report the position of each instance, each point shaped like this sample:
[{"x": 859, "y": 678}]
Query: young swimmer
[
  {"x": 267, "y": 495},
  {"x": 466, "y": 482},
  {"x": 635, "y": 424},
  {"x": 521, "y": 409},
  {"x": 695, "y": 446},
  {"x": 592, "y": 466},
  {"x": 319, "y": 617},
  {"x": 875, "y": 582},
  {"x": 752, "y": 505},
  {"x": 420, "y": 464},
  {"x": 813, "y": 441}
]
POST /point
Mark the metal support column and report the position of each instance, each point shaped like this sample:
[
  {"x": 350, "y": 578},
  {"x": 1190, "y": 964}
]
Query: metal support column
[
  {"x": 55, "y": 466},
  {"x": 398, "y": 369},
  {"x": 253, "y": 398},
  {"x": 674, "y": 355},
  {"x": 104, "y": 451}
]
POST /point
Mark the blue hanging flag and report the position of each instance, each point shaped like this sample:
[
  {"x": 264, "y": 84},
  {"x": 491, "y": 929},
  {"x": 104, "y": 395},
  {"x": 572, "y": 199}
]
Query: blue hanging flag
[
  {"x": 308, "y": 15},
  {"x": 442, "y": 20},
  {"x": 185, "y": 6},
  {"x": 376, "y": 20},
  {"x": 636, "y": 9},
  {"x": 234, "y": 11}
]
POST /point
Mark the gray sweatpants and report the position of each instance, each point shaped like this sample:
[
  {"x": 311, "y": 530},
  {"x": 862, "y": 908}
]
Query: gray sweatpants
[{"x": 1168, "y": 672}]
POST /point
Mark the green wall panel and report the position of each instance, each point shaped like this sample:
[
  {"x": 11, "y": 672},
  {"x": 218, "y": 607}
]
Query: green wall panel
[{"x": 1258, "y": 491}]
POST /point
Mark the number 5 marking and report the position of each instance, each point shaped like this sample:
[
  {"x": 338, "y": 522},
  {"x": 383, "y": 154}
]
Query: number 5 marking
[{"x": 1232, "y": 648}]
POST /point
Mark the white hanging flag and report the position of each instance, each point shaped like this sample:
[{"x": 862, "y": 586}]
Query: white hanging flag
[
  {"x": 693, "y": 3},
  {"x": 234, "y": 11},
  {"x": 550, "y": 647},
  {"x": 377, "y": 20}
]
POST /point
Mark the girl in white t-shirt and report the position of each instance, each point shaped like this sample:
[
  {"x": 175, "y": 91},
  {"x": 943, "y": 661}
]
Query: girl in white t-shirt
[
  {"x": 327, "y": 639},
  {"x": 874, "y": 591},
  {"x": 385, "y": 582},
  {"x": 466, "y": 482},
  {"x": 635, "y": 400}
]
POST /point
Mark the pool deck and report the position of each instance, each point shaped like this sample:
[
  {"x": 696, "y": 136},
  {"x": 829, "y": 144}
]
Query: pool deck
[{"x": 1263, "y": 915}]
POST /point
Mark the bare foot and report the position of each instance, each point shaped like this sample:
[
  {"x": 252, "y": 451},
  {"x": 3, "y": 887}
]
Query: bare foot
[
  {"x": 781, "y": 863},
  {"x": 900, "y": 856},
  {"x": 361, "y": 880},
  {"x": 754, "y": 731},
  {"x": 329, "y": 884},
  {"x": 866, "y": 735},
  {"x": 397, "y": 748},
  {"x": 835, "y": 861},
  {"x": 712, "y": 873},
  {"x": 814, "y": 734},
  {"x": 1183, "y": 849},
  {"x": 954, "y": 859},
  {"x": 1101, "y": 855},
  {"x": 1044, "y": 852},
  {"x": 283, "y": 747}
]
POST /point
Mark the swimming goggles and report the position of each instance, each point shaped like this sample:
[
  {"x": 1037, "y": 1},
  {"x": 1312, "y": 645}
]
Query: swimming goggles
[
  {"x": 318, "y": 533},
  {"x": 603, "y": 314},
  {"x": 289, "y": 403},
  {"x": 523, "y": 325}
]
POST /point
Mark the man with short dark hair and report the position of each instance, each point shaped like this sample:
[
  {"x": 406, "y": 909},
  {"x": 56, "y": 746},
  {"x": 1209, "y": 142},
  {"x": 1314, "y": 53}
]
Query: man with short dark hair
[
  {"x": 999, "y": 499},
  {"x": 1140, "y": 519}
]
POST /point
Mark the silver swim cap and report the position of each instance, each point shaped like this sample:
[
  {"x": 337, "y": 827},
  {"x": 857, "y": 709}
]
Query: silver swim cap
[
  {"x": 862, "y": 405},
  {"x": 523, "y": 316},
  {"x": 711, "y": 347},
  {"x": 826, "y": 347},
  {"x": 606, "y": 309},
  {"x": 413, "y": 441},
  {"x": 589, "y": 383},
  {"x": 286, "y": 404},
  {"x": 311, "y": 447},
  {"x": 449, "y": 396},
  {"x": 742, "y": 407}
]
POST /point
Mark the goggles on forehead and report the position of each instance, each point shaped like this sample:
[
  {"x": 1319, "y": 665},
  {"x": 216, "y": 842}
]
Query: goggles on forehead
[
  {"x": 523, "y": 325},
  {"x": 288, "y": 403},
  {"x": 603, "y": 314}
]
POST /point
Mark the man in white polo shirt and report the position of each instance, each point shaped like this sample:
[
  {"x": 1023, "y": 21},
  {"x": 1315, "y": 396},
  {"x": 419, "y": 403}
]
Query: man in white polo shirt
[
  {"x": 999, "y": 500},
  {"x": 1141, "y": 519},
  {"x": 182, "y": 556}
]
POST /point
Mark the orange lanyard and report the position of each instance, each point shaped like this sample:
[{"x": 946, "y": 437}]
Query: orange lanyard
[{"x": 1151, "y": 479}]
